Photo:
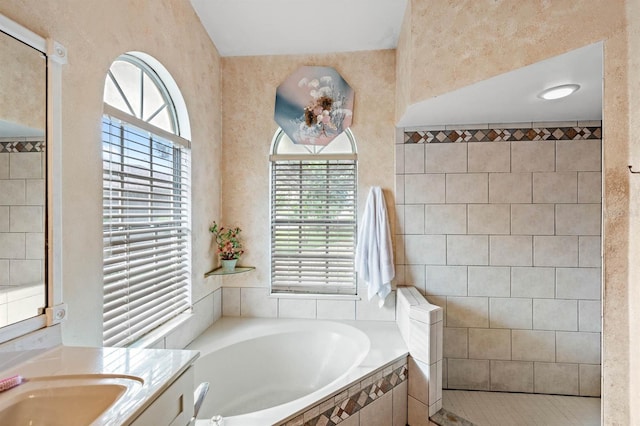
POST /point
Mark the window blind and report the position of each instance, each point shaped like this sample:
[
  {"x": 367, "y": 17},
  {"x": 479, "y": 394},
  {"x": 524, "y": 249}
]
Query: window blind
[
  {"x": 313, "y": 226},
  {"x": 146, "y": 193}
]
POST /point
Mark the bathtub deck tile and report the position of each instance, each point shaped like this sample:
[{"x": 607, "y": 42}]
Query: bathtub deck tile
[
  {"x": 354, "y": 390},
  {"x": 312, "y": 413},
  {"x": 296, "y": 421}
]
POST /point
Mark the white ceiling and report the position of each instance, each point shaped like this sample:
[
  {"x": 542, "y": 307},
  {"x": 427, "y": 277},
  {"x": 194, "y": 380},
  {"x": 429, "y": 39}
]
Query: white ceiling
[
  {"x": 291, "y": 27},
  {"x": 278, "y": 27}
]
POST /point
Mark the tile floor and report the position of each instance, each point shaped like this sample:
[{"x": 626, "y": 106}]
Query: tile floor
[{"x": 509, "y": 409}]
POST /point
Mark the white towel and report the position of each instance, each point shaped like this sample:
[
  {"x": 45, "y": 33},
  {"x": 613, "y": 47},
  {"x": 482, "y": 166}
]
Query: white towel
[{"x": 374, "y": 252}]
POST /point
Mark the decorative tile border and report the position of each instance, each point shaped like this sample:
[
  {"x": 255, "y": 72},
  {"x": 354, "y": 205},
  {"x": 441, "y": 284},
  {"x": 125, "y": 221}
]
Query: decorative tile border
[
  {"x": 340, "y": 407},
  {"x": 504, "y": 135},
  {"x": 22, "y": 146}
]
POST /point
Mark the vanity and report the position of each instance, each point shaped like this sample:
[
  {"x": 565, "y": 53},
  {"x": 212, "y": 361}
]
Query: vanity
[
  {"x": 67, "y": 386},
  {"x": 62, "y": 385}
]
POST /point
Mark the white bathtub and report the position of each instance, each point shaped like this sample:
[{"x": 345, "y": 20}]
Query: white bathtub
[{"x": 262, "y": 371}]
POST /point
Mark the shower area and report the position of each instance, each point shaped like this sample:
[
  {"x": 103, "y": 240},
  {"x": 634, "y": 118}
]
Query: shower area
[{"x": 499, "y": 223}]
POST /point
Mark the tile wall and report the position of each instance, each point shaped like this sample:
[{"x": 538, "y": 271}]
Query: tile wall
[
  {"x": 257, "y": 302},
  {"x": 22, "y": 210},
  {"x": 501, "y": 226}
]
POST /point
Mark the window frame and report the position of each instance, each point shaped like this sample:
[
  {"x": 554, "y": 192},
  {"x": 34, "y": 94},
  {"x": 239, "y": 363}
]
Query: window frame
[
  {"x": 179, "y": 247},
  {"x": 338, "y": 154}
]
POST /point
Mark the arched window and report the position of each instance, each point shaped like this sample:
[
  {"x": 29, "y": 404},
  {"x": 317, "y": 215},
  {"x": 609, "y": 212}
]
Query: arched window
[
  {"x": 146, "y": 201},
  {"x": 313, "y": 216}
]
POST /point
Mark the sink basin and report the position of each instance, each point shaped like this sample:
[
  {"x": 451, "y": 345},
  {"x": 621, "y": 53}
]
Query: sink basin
[{"x": 64, "y": 400}]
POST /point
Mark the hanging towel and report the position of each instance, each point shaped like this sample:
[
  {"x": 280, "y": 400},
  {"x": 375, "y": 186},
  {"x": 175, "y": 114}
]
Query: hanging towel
[{"x": 374, "y": 252}]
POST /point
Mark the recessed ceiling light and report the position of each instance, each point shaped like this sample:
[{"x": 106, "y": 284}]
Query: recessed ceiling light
[{"x": 558, "y": 92}]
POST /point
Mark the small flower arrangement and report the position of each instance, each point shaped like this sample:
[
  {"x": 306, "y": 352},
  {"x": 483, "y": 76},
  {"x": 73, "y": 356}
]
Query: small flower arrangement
[{"x": 229, "y": 245}]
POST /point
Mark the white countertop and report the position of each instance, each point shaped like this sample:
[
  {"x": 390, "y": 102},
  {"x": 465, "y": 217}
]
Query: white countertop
[{"x": 153, "y": 369}]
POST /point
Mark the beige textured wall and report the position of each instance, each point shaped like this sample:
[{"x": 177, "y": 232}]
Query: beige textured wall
[
  {"x": 249, "y": 87},
  {"x": 22, "y": 84},
  {"x": 456, "y": 43},
  {"x": 633, "y": 9},
  {"x": 95, "y": 32}
]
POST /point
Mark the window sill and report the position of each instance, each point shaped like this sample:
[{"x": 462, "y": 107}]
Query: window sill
[{"x": 315, "y": 296}]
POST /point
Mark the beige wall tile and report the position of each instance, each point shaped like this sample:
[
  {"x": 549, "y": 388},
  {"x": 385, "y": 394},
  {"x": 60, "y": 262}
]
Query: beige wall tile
[
  {"x": 4, "y": 218},
  {"x": 489, "y": 343},
  {"x": 589, "y": 187},
  {"x": 399, "y": 185},
  {"x": 446, "y": 219},
  {"x": 556, "y": 378},
  {"x": 510, "y": 188},
  {"x": 413, "y": 219},
  {"x": 539, "y": 156},
  {"x": 416, "y": 275},
  {"x": 558, "y": 187},
  {"x": 424, "y": 189},
  {"x": 551, "y": 314},
  {"x": 4, "y": 165},
  {"x": 379, "y": 412},
  {"x": 25, "y": 272},
  {"x": 510, "y": 313},
  {"x": 532, "y": 219},
  {"x": 417, "y": 412},
  {"x": 12, "y": 192},
  {"x": 35, "y": 192},
  {"x": 467, "y": 312},
  {"x": 26, "y": 219},
  {"x": 230, "y": 302},
  {"x": 581, "y": 348},
  {"x": 534, "y": 282},
  {"x": 400, "y": 403},
  {"x": 467, "y": 188},
  {"x": 512, "y": 376},
  {"x": 446, "y": 280},
  {"x": 399, "y": 153},
  {"x": 532, "y": 345},
  {"x": 12, "y": 245},
  {"x": 489, "y": 157},
  {"x": 578, "y": 219},
  {"x": 467, "y": 250},
  {"x": 413, "y": 158},
  {"x": 590, "y": 379},
  {"x": 297, "y": 308},
  {"x": 419, "y": 375},
  {"x": 589, "y": 315},
  {"x": 255, "y": 302},
  {"x": 555, "y": 251},
  {"x": 446, "y": 157},
  {"x": 491, "y": 281},
  {"x": 425, "y": 249},
  {"x": 578, "y": 283},
  {"x": 4, "y": 280},
  {"x": 489, "y": 219},
  {"x": 456, "y": 342},
  {"x": 589, "y": 254},
  {"x": 583, "y": 156},
  {"x": 511, "y": 251},
  {"x": 336, "y": 309},
  {"x": 25, "y": 165},
  {"x": 468, "y": 374}
]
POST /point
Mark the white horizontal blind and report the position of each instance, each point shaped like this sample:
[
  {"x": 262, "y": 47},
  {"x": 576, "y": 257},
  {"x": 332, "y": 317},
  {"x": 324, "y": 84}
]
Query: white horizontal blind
[
  {"x": 146, "y": 192},
  {"x": 313, "y": 226}
]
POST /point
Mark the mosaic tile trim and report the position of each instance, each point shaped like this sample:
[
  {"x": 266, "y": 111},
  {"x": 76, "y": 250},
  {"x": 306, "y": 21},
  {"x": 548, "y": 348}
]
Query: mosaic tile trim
[
  {"x": 504, "y": 135},
  {"x": 339, "y": 408},
  {"x": 22, "y": 146}
]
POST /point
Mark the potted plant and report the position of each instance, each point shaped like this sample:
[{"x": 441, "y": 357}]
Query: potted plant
[{"x": 229, "y": 245}]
